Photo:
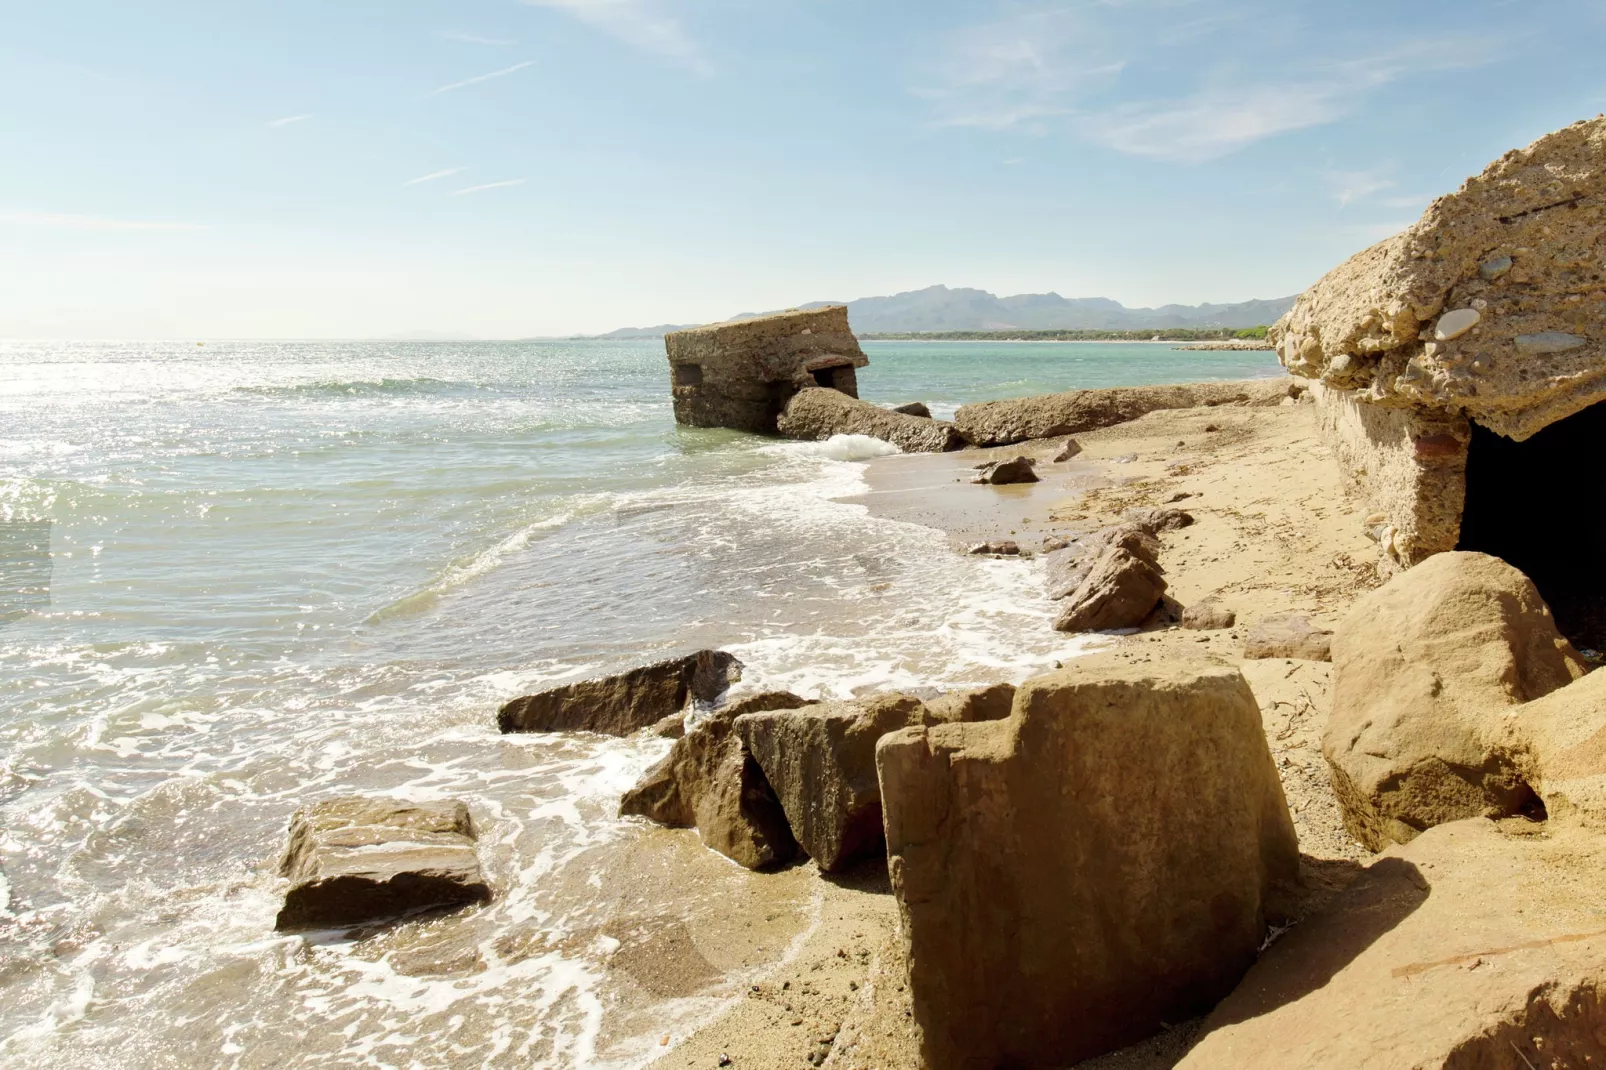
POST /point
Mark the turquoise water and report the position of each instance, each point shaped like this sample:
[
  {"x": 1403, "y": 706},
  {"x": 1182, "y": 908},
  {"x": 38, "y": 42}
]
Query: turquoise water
[{"x": 239, "y": 576}]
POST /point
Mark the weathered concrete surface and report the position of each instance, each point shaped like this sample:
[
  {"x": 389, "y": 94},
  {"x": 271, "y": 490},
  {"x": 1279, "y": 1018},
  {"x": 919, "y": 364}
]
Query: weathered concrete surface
[
  {"x": 710, "y": 782},
  {"x": 1478, "y": 946},
  {"x": 1101, "y": 862},
  {"x": 622, "y": 704},
  {"x": 991, "y": 703},
  {"x": 741, "y": 374},
  {"x": 1489, "y": 306},
  {"x": 1000, "y": 423},
  {"x": 814, "y": 414},
  {"x": 357, "y": 859},
  {"x": 821, "y": 762},
  {"x": 1410, "y": 465},
  {"x": 1430, "y": 674}
]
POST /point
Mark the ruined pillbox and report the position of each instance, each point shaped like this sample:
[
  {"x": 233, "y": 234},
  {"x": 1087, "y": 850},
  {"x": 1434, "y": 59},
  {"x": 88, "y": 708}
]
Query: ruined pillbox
[{"x": 742, "y": 373}]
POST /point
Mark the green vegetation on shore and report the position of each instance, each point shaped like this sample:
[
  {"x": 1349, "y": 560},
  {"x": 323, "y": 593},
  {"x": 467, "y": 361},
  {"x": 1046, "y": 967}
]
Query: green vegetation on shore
[{"x": 1165, "y": 334}]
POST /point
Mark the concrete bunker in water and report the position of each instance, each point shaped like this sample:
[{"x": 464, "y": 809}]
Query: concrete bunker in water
[
  {"x": 742, "y": 373},
  {"x": 1461, "y": 370}
]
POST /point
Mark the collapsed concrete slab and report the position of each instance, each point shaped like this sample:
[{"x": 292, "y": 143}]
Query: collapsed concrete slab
[
  {"x": 1461, "y": 366},
  {"x": 1003, "y": 423},
  {"x": 356, "y": 859},
  {"x": 1100, "y": 863},
  {"x": 742, "y": 373},
  {"x": 814, "y": 414}
]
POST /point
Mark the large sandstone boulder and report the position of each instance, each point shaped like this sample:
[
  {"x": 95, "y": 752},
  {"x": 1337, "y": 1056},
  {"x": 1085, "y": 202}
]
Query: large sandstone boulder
[
  {"x": 1120, "y": 591},
  {"x": 619, "y": 705},
  {"x": 818, "y": 413},
  {"x": 1477, "y": 945},
  {"x": 990, "y": 703},
  {"x": 710, "y": 782},
  {"x": 1429, "y": 675},
  {"x": 1001, "y": 423},
  {"x": 821, "y": 762},
  {"x": 1487, "y": 306},
  {"x": 1099, "y": 864},
  {"x": 356, "y": 859}
]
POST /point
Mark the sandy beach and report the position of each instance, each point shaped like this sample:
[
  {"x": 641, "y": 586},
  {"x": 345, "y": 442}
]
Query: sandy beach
[{"x": 1274, "y": 532}]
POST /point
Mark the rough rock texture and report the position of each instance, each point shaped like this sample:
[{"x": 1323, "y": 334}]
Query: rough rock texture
[
  {"x": 1068, "y": 565},
  {"x": 740, "y": 374},
  {"x": 1288, "y": 635},
  {"x": 992, "y": 703},
  {"x": 1119, "y": 592},
  {"x": 1102, "y": 862},
  {"x": 619, "y": 705},
  {"x": 1015, "y": 470},
  {"x": 1000, "y": 423},
  {"x": 355, "y": 859},
  {"x": 1478, "y": 946},
  {"x": 710, "y": 782},
  {"x": 819, "y": 414},
  {"x": 765, "y": 700},
  {"x": 1160, "y": 519},
  {"x": 1208, "y": 616},
  {"x": 821, "y": 762},
  {"x": 914, "y": 408},
  {"x": 997, "y": 548},
  {"x": 1069, "y": 450},
  {"x": 1489, "y": 305},
  {"x": 1429, "y": 674}
]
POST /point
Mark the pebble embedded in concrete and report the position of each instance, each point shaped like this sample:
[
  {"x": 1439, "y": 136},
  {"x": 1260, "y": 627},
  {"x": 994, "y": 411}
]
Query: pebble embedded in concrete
[
  {"x": 1494, "y": 267},
  {"x": 1455, "y": 323},
  {"x": 1547, "y": 342}
]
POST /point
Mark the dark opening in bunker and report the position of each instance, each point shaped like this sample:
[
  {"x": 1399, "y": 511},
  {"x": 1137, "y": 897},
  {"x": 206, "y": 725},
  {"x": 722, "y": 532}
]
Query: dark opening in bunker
[
  {"x": 688, "y": 375},
  {"x": 1541, "y": 505},
  {"x": 840, "y": 377}
]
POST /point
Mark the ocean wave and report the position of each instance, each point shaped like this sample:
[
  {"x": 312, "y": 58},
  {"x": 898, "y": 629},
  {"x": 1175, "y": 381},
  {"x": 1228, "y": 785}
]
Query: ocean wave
[{"x": 382, "y": 387}]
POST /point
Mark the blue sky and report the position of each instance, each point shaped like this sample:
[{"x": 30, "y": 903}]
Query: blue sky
[{"x": 496, "y": 168}]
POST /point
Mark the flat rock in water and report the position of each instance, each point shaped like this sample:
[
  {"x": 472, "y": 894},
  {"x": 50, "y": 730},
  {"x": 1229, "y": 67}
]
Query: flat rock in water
[
  {"x": 1101, "y": 863},
  {"x": 1478, "y": 944},
  {"x": 821, "y": 762},
  {"x": 1017, "y": 470},
  {"x": 819, "y": 412},
  {"x": 622, "y": 704},
  {"x": 1288, "y": 635},
  {"x": 355, "y": 859},
  {"x": 1120, "y": 591}
]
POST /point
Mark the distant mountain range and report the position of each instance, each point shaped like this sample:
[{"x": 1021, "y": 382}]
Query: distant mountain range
[{"x": 937, "y": 308}]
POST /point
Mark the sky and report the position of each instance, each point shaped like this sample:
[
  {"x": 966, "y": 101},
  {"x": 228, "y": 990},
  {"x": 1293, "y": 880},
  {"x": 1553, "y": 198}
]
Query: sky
[{"x": 518, "y": 168}]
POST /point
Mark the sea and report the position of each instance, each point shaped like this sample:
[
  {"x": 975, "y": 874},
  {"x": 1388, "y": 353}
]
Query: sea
[{"x": 237, "y": 577}]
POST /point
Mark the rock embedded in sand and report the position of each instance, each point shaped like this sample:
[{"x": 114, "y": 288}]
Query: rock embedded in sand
[
  {"x": 1015, "y": 470},
  {"x": 1069, "y": 567},
  {"x": 622, "y": 704},
  {"x": 1429, "y": 673},
  {"x": 1097, "y": 865},
  {"x": 358, "y": 859},
  {"x": 1164, "y": 518},
  {"x": 1288, "y": 635},
  {"x": 816, "y": 414},
  {"x": 1479, "y": 944},
  {"x": 1003, "y": 423},
  {"x": 821, "y": 762},
  {"x": 1208, "y": 616},
  {"x": 1120, "y": 591},
  {"x": 1069, "y": 450},
  {"x": 710, "y": 782}
]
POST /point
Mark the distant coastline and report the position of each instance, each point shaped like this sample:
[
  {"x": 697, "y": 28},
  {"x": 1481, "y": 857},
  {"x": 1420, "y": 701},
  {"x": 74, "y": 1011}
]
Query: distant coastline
[{"x": 1207, "y": 337}]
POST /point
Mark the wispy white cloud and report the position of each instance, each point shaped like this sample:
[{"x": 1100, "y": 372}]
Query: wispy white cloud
[
  {"x": 478, "y": 78},
  {"x": 274, "y": 124},
  {"x": 1090, "y": 67},
  {"x": 1351, "y": 186},
  {"x": 490, "y": 185},
  {"x": 432, "y": 176},
  {"x": 475, "y": 39},
  {"x": 641, "y": 24},
  {"x": 65, "y": 221}
]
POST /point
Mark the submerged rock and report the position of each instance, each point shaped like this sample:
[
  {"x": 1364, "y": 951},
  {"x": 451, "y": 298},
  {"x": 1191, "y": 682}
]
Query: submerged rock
[
  {"x": 1479, "y": 944},
  {"x": 622, "y": 704},
  {"x": 816, "y": 413},
  {"x": 356, "y": 859},
  {"x": 1429, "y": 670},
  {"x": 821, "y": 762},
  {"x": 1002, "y": 423},
  {"x": 1099, "y": 864}
]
